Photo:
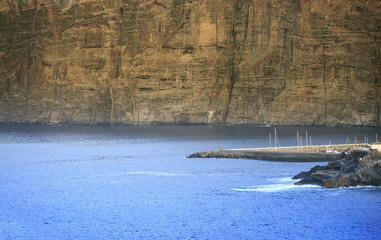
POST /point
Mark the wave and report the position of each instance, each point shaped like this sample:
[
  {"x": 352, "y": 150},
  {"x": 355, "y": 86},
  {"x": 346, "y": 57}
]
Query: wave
[
  {"x": 108, "y": 177},
  {"x": 283, "y": 180},
  {"x": 160, "y": 174},
  {"x": 281, "y": 184},
  {"x": 366, "y": 187}
]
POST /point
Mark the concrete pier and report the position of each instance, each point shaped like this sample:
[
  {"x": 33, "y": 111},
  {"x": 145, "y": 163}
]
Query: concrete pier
[
  {"x": 321, "y": 153},
  {"x": 308, "y": 149}
]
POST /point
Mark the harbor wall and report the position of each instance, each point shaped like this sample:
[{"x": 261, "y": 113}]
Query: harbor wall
[{"x": 270, "y": 156}]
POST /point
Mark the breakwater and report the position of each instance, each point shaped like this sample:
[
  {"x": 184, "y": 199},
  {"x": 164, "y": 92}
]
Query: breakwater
[
  {"x": 269, "y": 155},
  {"x": 320, "y": 153}
]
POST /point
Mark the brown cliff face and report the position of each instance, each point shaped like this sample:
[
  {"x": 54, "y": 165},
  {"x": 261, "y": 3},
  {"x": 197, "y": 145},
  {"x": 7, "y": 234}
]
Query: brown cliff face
[{"x": 297, "y": 62}]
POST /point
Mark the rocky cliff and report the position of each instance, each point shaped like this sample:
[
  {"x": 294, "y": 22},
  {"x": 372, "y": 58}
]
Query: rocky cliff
[{"x": 296, "y": 62}]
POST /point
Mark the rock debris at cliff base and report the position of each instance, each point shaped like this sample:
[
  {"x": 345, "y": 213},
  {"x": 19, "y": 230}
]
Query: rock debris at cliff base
[
  {"x": 311, "y": 63},
  {"x": 355, "y": 169}
]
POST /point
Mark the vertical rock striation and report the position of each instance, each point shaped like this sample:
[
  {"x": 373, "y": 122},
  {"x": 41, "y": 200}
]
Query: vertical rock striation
[{"x": 297, "y": 62}]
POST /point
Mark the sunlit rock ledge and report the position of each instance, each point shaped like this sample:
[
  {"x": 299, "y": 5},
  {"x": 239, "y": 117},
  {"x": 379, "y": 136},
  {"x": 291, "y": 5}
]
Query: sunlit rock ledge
[{"x": 356, "y": 169}]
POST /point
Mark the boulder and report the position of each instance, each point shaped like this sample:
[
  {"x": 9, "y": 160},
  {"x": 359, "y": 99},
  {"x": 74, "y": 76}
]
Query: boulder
[
  {"x": 357, "y": 168},
  {"x": 304, "y": 175}
]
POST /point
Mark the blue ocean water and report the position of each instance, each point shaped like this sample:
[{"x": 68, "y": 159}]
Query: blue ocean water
[{"x": 135, "y": 182}]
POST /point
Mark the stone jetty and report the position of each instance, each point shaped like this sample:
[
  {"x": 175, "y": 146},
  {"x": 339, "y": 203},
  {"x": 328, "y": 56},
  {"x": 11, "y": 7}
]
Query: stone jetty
[
  {"x": 269, "y": 155},
  {"x": 318, "y": 153}
]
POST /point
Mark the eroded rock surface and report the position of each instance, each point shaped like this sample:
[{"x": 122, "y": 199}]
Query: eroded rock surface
[
  {"x": 191, "y": 61},
  {"x": 351, "y": 170}
]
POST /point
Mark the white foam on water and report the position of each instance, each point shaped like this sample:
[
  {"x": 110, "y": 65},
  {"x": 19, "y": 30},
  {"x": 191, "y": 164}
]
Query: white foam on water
[
  {"x": 281, "y": 184},
  {"x": 366, "y": 187},
  {"x": 273, "y": 188},
  {"x": 265, "y": 188},
  {"x": 160, "y": 174},
  {"x": 107, "y": 177}
]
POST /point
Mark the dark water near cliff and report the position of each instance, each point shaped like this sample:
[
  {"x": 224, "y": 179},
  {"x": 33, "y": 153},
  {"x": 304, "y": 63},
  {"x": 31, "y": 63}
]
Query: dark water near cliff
[{"x": 135, "y": 183}]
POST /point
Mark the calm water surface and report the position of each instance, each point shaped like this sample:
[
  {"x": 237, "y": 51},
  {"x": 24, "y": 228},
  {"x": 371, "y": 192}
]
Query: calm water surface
[{"x": 59, "y": 182}]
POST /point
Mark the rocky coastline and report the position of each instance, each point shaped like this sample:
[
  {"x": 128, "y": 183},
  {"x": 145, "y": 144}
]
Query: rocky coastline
[{"x": 358, "y": 168}]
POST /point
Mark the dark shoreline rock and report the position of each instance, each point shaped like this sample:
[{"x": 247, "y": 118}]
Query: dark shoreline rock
[
  {"x": 215, "y": 154},
  {"x": 356, "y": 169}
]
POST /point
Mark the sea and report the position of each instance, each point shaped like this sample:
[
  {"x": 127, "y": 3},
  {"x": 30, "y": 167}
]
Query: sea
[{"x": 136, "y": 182}]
